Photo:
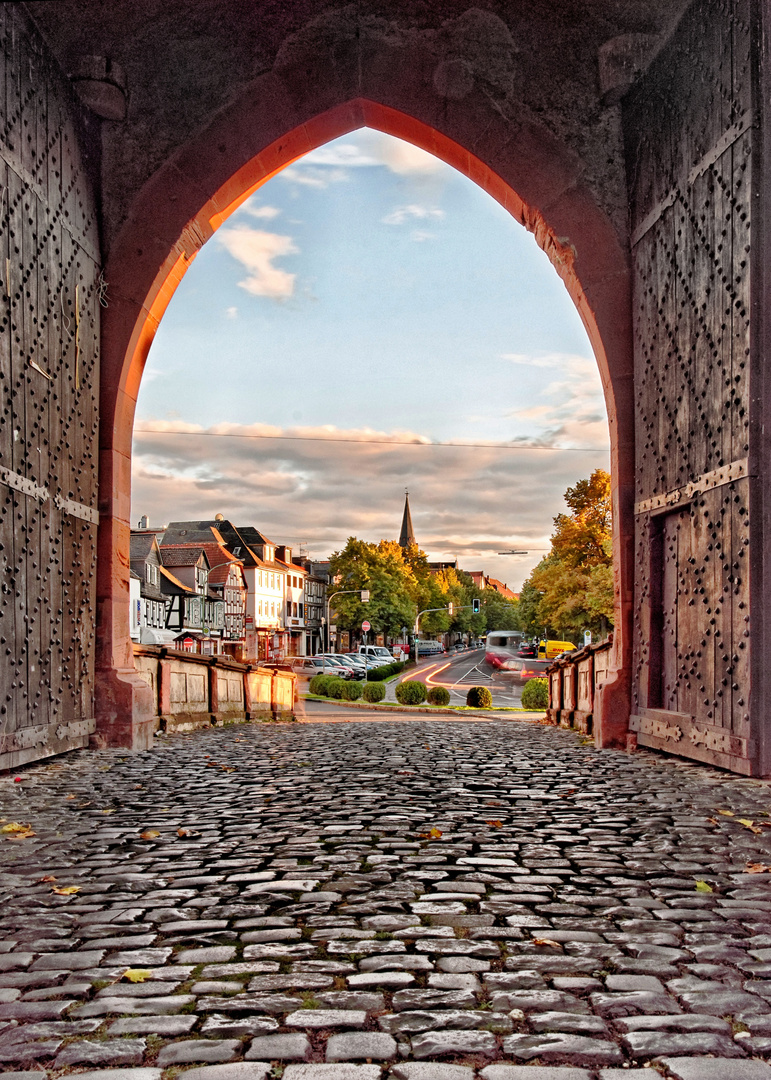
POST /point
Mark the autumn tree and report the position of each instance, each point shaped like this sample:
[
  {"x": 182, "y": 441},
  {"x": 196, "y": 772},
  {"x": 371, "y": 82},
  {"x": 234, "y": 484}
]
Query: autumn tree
[
  {"x": 381, "y": 569},
  {"x": 571, "y": 588}
]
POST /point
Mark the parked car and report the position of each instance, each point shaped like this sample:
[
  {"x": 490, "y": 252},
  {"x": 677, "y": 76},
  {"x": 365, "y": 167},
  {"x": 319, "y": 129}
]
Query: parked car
[
  {"x": 460, "y": 647},
  {"x": 306, "y": 665},
  {"x": 377, "y": 652},
  {"x": 335, "y": 666},
  {"x": 352, "y": 660},
  {"x": 430, "y": 648},
  {"x": 528, "y": 649}
]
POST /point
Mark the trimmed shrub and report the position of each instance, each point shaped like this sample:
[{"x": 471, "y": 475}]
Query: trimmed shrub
[
  {"x": 351, "y": 691},
  {"x": 336, "y": 687},
  {"x": 479, "y": 697},
  {"x": 411, "y": 692},
  {"x": 385, "y": 672},
  {"x": 319, "y": 684},
  {"x": 536, "y": 694},
  {"x": 373, "y": 691},
  {"x": 438, "y": 695}
]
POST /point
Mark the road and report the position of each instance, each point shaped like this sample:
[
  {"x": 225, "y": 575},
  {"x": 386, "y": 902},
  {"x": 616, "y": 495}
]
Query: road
[
  {"x": 460, "y": 671},
  {"x": 387, "y": 900}
]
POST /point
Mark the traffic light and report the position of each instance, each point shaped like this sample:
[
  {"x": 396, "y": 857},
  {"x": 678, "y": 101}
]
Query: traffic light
[{"x": 475, "y": 605}]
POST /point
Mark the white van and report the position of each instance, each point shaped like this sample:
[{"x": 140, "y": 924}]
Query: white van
[{"x": 378, "y": 653}]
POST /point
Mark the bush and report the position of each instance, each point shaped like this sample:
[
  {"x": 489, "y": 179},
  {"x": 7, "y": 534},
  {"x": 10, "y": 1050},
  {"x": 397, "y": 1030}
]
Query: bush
[
  {"x": 536, "y": 694},
  {"x": 385, "y": 672},
  {"x": 438, "y": 695},
  {"x": 479, "y": 697},
  {"x": 319, "y": 684},
  {"x": 411, "y": 692},
  {"x": 336, "y": 687},
  {"x": 351, "y": 691},
  {"x": 373, "y": 691}
]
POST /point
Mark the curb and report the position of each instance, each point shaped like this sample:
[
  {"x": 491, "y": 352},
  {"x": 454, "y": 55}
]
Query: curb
[{"x": 432, "y": 709}]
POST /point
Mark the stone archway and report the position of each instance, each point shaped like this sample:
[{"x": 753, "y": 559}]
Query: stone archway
[{"x": 316, "y": 92}]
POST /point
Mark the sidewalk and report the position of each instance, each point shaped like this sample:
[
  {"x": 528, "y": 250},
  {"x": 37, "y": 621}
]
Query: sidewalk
[{"x": 399, "y": 900}]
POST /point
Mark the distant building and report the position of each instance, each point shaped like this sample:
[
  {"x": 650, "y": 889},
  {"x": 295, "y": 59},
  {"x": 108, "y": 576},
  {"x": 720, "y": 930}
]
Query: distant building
[{"x": 407, "y": 534}]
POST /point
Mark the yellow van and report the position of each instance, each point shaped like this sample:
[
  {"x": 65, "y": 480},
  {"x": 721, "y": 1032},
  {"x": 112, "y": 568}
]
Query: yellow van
[{"x": 547, "y": 650}]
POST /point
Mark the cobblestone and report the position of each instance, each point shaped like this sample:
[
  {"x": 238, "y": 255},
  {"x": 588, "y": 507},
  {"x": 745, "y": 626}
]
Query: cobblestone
[{"x": 439, "y": 900}]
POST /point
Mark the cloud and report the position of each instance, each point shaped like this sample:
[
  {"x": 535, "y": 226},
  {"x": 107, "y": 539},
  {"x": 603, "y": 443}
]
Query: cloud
[
  {"x": 264, "y": 212},
  {"x": 231, "y": 312},
  {"x": 466, "y": 502},
  {"x": 300, "y": 173},
  {"x": 569, "y": 410},
  {"x": 403, "y": 214},
  {"x": 420, "y": 235},
  {"x": 256, "y": 250},
  {"x": 368, "y": 148}
]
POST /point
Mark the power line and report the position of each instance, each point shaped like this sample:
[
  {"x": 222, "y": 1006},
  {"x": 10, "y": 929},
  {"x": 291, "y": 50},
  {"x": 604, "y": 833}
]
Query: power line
[{"x": 371, "y": 442}]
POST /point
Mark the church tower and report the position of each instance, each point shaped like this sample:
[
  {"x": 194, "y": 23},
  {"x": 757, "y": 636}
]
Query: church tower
[{"x": 407, "y": 535}]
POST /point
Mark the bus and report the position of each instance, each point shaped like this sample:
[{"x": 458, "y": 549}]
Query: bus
[{"x": 502, "y": 646}]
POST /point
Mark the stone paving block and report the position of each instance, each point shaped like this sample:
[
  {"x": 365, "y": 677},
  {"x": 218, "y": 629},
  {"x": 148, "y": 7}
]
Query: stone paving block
[
  {"x": 237, "y": 1070},
  {"x": 109, "y": 1052},
  {"x": 217, "y": 954},
  {"x": 392, "y": 980},
  {"x": 294, "y": 1047},
  {"x": 166, "y": 1026},
  {"x": 361, "y": 1046},
  {"x": 236, "y": 1027},
  {"x": 121, "y": 1074},
  {"x": 71, "y": 961},
  {"x": 580, "y": 1049},
  {"x": 704, "y": 1068},
  {"x": 133, "y": 1006},
  {"x": 324, "y": 1018},
  {"x": 536, "y": 1072},
  {"x": 439, "y": 1043},
  {"x": 426, "y": 1070},
  {"x": 208, "y": 1050},
  {"x": 651, "y": 1044},
  {"x": 332, "y": 1072}
]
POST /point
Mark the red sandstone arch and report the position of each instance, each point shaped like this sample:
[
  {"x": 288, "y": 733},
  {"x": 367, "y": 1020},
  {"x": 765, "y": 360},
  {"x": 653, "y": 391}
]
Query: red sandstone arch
[{"x": 518, "y": 163}]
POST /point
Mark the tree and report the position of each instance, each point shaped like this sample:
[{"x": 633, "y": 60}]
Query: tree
[
  {"x": 571, "y": 589},
  {"x": 391, "y": 583}
]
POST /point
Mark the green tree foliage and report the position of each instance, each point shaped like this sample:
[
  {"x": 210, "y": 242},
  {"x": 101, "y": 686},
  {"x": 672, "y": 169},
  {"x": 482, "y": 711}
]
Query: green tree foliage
[
  {"x": 401, "y": 584},
  {"x": 571, "y": 588}
]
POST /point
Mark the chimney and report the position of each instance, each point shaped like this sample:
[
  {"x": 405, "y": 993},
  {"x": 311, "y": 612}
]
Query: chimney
[{"x": 144, "y": 522}]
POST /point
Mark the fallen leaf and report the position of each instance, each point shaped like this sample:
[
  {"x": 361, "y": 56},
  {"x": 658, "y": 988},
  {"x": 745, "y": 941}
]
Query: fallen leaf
[
  {"x": 65, "y": 890},
  {"x": 212, "y": 765},
  {"x": 432, "y": 834},
  {"x": 757, "y": 868},
  {"x": 702, "y": 886},
  {"x": 21, "y": 835},
  {"x": 726, "y": 813},
  {"x": 71, "y": 796},
  {"x": 546, "y": 941},
  {"x": 149, "y": 834},
  {"x": 187, "y": 832},
  {"x": 48, "y": 877},
  {"x": 17, "y": 779},
  {"x": 108, "y": 811},
  {"x": 495, "y": 824},
  {"x": 713, "y": 821},
  {"x": 14, "y": 826},
  {"x": 571, "y": 792},
  {"x": 228, "y": 768},
  {"x": 494, "y": 802},
  {"x": 136, "y": 975},
  {"x": 749, "y": 824}
]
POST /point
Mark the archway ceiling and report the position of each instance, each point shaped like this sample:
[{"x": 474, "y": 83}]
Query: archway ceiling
[{"x": 184, "y": 61}]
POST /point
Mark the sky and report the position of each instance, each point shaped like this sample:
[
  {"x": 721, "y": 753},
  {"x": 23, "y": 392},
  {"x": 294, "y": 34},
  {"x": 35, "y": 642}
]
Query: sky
[{"x": 364, "y": 305}]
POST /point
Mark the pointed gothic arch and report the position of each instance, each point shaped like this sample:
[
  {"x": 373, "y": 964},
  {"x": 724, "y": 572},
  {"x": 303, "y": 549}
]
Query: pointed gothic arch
[{"x": 282, "y": 116}]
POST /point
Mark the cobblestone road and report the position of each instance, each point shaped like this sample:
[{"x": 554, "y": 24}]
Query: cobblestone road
[{"x": 405, "y": 900}]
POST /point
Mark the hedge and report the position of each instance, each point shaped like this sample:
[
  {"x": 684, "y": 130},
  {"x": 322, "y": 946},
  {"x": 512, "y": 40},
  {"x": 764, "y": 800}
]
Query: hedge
[
  {"x": 479, "y": 697},
  {"x": 319, "y": 684},
  {"x": 373, "y": 691},
  {"x": 438, "y": 695},
  {"x": 411, "y": 692},
  {"x": 351, "y": 691},
  {"x": 385, "y": 672},
  {"x": 536, "y": 694},
  {"x": 335, "y": 687}
]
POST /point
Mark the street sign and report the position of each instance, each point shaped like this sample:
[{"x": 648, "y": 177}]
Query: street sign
[
  {"x": 365, "y": 596},
  {"x": 587, "y": 637},
  {"x": 366, "y": 626}
]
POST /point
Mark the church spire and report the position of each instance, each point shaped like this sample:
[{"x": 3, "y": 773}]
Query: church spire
[{"x": 407, "y": 535}]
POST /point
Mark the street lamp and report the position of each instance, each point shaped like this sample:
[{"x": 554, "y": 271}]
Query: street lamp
[
  {"x": 341, "y": 592},
  {"x": 512, "y": 553}
]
